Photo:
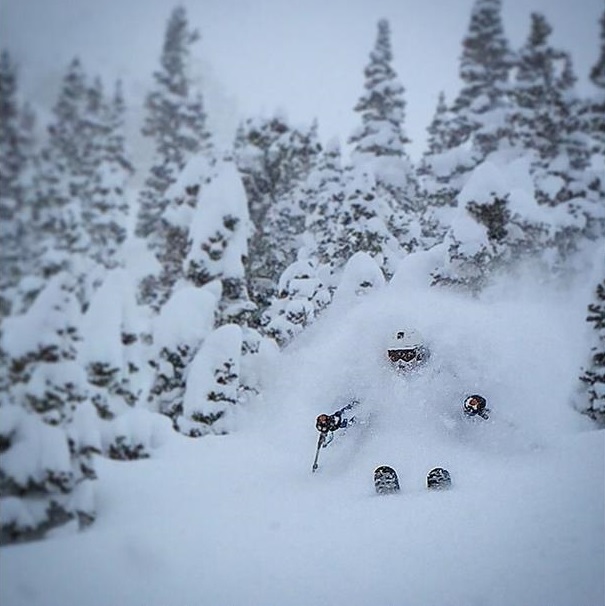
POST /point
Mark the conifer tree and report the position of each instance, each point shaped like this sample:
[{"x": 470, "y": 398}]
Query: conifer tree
[
  {"x": 383, "y": 202},
  {"x": 484, "y": 68},
  {"x": 49, "y": 440},
  {"x": 16, "y": 156},
  {"x": 217, "y": 244},
  {"x": 543, "y": 79},
  {"x": 382, "y": 106},
  {"x": 274, "y": 160},
  {"x": 324, "y": 192},
  {"x": 364, "y": 223},
  {"x": 437, "y": 131},
  {"x": 492, "y": 230},
  {"x": 593, "y": 375},
  {"x": 548, "y": 124},
  {"x": 301, "y": 297},
  {"x": 594, "y": 113},
  {"x": 62, "y": 179},
  {"x": 175, "y": 120},
  {"x": 436, "y": 184},
  {"x": 214, "y": 384},
  {"x": 107, "y": 208},
  {"x": 179, "y": 330}
]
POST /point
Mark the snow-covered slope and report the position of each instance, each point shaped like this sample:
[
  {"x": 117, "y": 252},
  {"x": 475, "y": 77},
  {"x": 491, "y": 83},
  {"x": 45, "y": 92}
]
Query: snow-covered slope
[{"x": 241, "y": 519}]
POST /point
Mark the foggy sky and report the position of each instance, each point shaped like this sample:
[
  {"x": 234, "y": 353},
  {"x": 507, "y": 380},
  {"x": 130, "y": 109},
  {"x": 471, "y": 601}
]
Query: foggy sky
[{"x": 305, "y": 58}]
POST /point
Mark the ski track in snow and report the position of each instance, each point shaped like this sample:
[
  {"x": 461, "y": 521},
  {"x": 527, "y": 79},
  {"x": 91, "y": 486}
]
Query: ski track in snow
[{"x": 241, "y": 520}]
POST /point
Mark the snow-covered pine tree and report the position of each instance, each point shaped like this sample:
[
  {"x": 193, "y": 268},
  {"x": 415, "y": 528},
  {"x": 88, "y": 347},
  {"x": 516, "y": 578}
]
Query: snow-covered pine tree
[
  {"x": 179, "y": 329},
  {"x": 596, "y": 105},
  {"x": 324, "y": 193},
  {"x": 434, "y": 177},
  {"x": 542, "y": 81},
  {"x": 47, "y": 437},
  {"x": 364, "y": 223},
  {"x": 213, "y": 384},
  {"x": 496, "y": 224},
  {"x": 481, "y": 106},
  {"x": 61, "y": 182},
  {"x": 301, "y": 297},
  {"x": 113, "y": 356},
  {"x": 379, "y": 143},
  {"x": 476, "y": 124},
  {"x": 175, "y": 120},
  {"x": 382, "y": 106},
  {"x": 217, "y": 243},
  {"x": 547, "y": 123},
  {"x": 107, "y": 209},
  {"x": 592, "y": 118},
  {"x": 381, "y": 207},
  {"x": 274, "y": 159},
  {"x": 593, "y": 375},
  {"x": 16, "y": 156},
  {"x": 438, "y": 133}
]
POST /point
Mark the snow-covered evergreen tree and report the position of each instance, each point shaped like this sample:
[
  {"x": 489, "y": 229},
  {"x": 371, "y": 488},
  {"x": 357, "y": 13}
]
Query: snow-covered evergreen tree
[
  {"x": 480, "y": 108},
  {"x": 302, "y": 295},
  {"x": 476, "y": 124},
  {"x": 182, "y": 202},
  {"x": 364, "y": 223},
  {"x": 592, "y": 117},
  {"x": 217, "y": 243},
  {"x": 543, "y": 82},
  {"x": 178, "y": 332},
  {"x": 382, "y": 106},
  {"x": 214, "y": 384},
  {"x": 593, "y": 375},
  {"x": 548, "y": 123},
  {"x": 106, "y": 213},
  {"x": 324, "y": 195},
  {"x": 498, "y": 222},
  {"x": 435, "y": 182},
  {"x": 62, "y": 178},
  {"x": 48, "y": 437},
  {"x": 16, "y": 159},
  {"x": 379, "y": 143},
  {"x": 381, "y": 203},
  {"x": 596, "y": 122},
  {"x": 274, "y": 160},
  {"x": 175, "y": 121}
]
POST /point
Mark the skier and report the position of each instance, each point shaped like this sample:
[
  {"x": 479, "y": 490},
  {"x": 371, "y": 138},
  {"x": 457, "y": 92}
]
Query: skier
[
  {"x": 407, "y": 350},
  {"x": 328, "y": 424}
]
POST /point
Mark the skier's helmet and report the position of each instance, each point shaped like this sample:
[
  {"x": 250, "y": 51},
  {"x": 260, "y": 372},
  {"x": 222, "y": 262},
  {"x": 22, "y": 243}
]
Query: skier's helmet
[
  {"x": 475, "y": 404},
  {"x": 407, "y": 350},
  {"x": 438, "y": 479}
]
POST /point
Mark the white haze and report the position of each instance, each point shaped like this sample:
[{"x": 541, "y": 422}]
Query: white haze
[{"x": 305, "y": 58}]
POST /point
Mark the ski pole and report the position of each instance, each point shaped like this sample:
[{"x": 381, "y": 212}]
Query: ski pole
[{"x": 320, "y": 443}]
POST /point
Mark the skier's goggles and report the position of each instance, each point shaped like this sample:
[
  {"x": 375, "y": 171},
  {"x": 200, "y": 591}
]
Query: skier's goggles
[{"x": 406, "y": 355}]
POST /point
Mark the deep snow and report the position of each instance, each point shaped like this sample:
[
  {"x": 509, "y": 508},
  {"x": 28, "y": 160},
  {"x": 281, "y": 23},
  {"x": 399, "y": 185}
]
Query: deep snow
[{"x": 241, "y": 519}]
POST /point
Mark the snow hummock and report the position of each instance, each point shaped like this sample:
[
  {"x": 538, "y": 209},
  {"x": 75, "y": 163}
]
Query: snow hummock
[{"x": 188, "y": 316}]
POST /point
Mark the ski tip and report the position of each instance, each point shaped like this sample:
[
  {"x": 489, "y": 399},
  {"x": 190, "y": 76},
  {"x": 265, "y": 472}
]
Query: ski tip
[
  {"x": 438, "y": 478},
  {"x": 386, "y": 480}
]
